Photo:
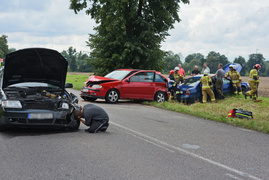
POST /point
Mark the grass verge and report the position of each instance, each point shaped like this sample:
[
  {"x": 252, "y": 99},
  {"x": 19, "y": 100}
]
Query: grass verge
[
  {"x": 76, "y": 80},
  {"x": 219, "y": 111}
]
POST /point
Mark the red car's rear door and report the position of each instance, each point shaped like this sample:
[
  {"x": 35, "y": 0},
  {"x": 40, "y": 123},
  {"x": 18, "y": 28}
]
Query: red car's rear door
[{"x": 139, "y": 86}]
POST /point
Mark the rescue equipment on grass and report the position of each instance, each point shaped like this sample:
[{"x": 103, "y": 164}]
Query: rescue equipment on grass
[{"x": 240, "y": 113}]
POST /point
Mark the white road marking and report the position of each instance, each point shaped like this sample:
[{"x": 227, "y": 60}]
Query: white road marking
[
  {"x": 174, "y": 148},
  {"x": 233, "y": 177}
]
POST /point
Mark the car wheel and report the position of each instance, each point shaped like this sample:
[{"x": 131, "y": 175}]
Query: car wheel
[
  {"x": 75, "y": 125},
  {"x": 160, "y": 97},
  {"x": 112, "y": 96}
]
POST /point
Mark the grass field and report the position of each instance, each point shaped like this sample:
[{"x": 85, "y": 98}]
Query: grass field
[
  {"x": 219, "y": 111},
  {"x": 214, "y": 111},
  {"x": 77, "y": 80}
]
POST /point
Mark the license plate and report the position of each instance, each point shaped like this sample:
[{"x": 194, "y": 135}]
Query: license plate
[
  {"x": 84, "y": 90},
  {"x": 40, "y": 116}
]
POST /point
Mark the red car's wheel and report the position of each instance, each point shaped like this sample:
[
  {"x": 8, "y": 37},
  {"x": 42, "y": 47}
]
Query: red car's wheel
[
  {"x": 160, "y": 96},
  {"x": 112, "y": 96}
]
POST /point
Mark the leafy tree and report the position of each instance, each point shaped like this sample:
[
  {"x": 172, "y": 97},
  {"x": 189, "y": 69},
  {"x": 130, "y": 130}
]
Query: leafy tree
[
  {"x": 266, "y": 73},
  {"x": 11, "y": 50},
  {"x": 256, "y": 58},
  {"x": 171, "y": 60},
  {"x": 83, "y": 62},
  {"x": 196, "y": 56},
  {"x": 213, "y": 59},
  {"x": 77, "y": 61},
  {"x": 3, "y": 46},
  {"x": 71, "y": 56},
  {"x": 190, "y": 66},
  {"x": 240, "y": 60},
  {"x": 129, "y": 32}
]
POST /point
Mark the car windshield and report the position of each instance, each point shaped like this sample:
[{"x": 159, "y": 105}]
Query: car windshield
[
  {"x": 192, "y": 82},
  {"x": 118, "y": 74},
  {"x": 34, "y": 84}
]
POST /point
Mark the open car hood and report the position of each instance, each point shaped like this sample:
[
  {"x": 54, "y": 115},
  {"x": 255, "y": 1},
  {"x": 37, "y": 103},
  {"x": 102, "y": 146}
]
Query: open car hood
[
  {"x": 35, "y": 65},
  {"x": 99, "y": 79},
  {"x": 237, "y": 67}
]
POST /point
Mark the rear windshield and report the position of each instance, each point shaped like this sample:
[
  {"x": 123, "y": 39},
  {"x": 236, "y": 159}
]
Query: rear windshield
[
  {"x": 192, "y": 82},
  {"x": 118, "y": 74}
]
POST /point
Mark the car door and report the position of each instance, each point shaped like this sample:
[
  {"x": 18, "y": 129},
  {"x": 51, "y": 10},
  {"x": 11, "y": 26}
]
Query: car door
[
  {"x": 227, "y": 86},
  {"x": 139, "y": 86}
]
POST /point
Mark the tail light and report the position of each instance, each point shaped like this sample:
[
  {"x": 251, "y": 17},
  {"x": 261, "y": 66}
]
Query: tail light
[{"x": 188, "y": 92}]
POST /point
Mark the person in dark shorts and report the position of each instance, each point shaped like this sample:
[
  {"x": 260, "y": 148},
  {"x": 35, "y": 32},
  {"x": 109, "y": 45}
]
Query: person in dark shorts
[
  {"x": 95, "y": 117},
  {"x": 195, "y": 71}
]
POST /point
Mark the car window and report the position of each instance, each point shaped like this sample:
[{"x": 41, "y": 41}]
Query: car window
[
  {"x": 149, "y": 76},
  {"x": 159, "y": 78},
  {"x": 33, "y": 84},
  {"x": 139, "y": 77},
  {"x": 118, "y": 74},
  {"x": 192, "y": 82},
  {"x": 226, "y": 81}
]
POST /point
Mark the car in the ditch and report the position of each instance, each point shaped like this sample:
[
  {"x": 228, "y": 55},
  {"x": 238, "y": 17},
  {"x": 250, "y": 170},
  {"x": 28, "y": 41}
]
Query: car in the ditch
[
  {"x": 33, "y": 93},
  {"x": 127, "y": 84},
  {"x": 191, "y": 90}
]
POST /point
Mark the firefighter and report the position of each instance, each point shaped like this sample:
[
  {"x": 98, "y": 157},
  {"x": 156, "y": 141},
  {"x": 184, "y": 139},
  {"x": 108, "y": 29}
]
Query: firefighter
[
  {"x": 177, "y": 78},
  {"x": 171, "y": 82},
  {"x": 253, "y": 82},
  {"x": 236, "y": 80},
  {"x": 207, "y": 87}
]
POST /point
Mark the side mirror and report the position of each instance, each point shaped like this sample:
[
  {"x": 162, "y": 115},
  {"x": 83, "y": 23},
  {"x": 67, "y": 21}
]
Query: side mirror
[
  {"x": 68, "y": 85},
  {"x": 127, "y": 80}
]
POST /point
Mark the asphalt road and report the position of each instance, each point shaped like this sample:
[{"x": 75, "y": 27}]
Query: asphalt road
[{"x": 143, "y": 143}]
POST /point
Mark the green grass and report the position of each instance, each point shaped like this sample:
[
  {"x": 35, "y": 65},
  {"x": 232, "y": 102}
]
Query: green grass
[
  {"x": 76, "y": 80},
  {"x": 219, "y": 111}
]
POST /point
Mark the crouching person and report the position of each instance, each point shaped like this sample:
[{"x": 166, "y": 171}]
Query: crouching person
[{"x": 95, "y": 117}]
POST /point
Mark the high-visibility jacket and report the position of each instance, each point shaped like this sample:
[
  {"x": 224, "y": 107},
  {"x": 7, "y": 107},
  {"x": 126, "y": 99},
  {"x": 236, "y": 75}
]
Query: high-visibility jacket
[
  {"x": 253, "y": 75},
  {"x": 234, "y": 76},
  {"x": 206, "y": 82},
  {"x": 178, "y": 78}
]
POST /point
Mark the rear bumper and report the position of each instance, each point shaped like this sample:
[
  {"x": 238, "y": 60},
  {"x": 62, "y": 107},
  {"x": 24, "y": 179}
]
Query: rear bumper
[{"x": 22, "y": 118}]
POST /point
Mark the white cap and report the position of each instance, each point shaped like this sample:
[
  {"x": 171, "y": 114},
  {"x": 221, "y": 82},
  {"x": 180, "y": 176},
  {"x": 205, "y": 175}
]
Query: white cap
[{"x": 176, "y": 68}]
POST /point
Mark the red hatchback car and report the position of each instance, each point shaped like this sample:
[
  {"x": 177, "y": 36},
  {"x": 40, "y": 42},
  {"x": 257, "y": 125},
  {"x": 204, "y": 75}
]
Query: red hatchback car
[{"x": 126, "y": 84}]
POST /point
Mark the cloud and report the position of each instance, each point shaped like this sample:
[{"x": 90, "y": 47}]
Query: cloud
[
  {"x": 47, "y": 23},
  {"x": 229, "y": 27}
]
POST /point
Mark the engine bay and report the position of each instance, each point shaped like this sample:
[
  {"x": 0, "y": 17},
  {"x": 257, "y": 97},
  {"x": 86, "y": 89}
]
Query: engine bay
[{"x": 37, "y": 97}]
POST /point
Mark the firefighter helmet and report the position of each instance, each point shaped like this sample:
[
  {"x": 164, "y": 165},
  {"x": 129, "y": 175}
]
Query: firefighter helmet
[{"x": 172, "y": 72}]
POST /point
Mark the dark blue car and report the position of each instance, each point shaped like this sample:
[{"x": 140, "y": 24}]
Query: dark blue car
[{"x": 191, "y": 90}]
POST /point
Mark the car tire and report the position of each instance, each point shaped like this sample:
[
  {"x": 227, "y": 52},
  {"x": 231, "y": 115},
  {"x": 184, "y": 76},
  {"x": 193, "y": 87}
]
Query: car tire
[
  {"x": 75, "y": 126},
  {"x": 160, "y": 96},
  {"x": 112, "y": 96}
]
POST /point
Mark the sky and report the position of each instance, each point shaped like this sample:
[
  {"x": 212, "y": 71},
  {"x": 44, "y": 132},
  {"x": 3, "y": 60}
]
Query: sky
[{"x": 230, "y": 27}]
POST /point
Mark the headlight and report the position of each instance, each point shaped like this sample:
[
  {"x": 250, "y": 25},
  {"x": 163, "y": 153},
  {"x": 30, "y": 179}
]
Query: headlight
[
  {"x": 97, "y": 86},
  {"x": 65, "y": 106},
  {"x": 11, "y": 104}
]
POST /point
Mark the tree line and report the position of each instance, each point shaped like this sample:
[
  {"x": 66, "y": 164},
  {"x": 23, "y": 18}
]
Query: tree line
[
  {"x": 213, "y": 59},
  {"x": 84, "y": 62}
]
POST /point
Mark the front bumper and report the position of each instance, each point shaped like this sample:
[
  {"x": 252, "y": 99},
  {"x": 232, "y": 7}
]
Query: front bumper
[
  {"x": 23, "y": 118},
  {"x": 92, "y": 93}
]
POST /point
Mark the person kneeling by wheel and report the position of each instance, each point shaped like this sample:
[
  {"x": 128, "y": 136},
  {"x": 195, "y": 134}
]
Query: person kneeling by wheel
[{"x": 95, "y": 117}]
